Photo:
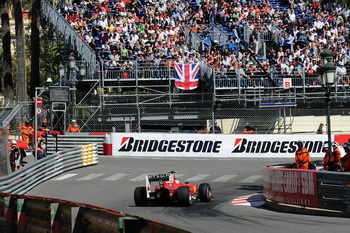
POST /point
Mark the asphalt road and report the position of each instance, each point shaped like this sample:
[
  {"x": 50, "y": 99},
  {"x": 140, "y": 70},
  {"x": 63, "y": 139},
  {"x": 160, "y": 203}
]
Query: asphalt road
[{"x": 111, "y": 184}]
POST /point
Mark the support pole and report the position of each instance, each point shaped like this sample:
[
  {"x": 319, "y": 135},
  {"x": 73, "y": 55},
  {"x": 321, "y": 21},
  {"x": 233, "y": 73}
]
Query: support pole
[{"x": 329, "y": 132}]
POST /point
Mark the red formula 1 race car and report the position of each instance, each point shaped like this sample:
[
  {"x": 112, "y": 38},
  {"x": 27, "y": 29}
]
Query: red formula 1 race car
[{"x": 170, "y": 191}]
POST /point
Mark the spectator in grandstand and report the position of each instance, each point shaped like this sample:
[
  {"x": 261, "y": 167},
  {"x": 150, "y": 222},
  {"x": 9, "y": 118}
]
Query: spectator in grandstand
[
  {"x": 302, "y": 40},
  {"x": 215, "y": 128},
  {"x": 73, "y": 127},
  {"x": 320, "y": 129},
  {"x": 243, "y": 77},
  {"x": 207, "y": 43},
  {"x": 341, "y": 74},
  {"x": 345, "y": 161},
  {"x": 302, "y": 156}
]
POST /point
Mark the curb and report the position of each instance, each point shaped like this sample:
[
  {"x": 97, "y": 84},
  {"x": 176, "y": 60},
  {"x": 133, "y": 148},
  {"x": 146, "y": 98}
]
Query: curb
[{"x": 295, "y": 209}]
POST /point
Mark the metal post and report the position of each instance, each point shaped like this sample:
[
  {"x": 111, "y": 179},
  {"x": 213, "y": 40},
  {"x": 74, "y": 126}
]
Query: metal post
[
  {"x": 35, "y": 125},
  {"x": 329, "y": 132}
]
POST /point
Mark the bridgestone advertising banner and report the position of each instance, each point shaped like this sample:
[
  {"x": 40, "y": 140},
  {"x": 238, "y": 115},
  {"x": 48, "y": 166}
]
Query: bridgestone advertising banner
[{"x": 213, "y": 145}]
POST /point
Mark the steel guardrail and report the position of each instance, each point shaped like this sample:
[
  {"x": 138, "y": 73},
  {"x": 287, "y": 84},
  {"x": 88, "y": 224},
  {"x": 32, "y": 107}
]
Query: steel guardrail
[{"x": 23, "y": 180}]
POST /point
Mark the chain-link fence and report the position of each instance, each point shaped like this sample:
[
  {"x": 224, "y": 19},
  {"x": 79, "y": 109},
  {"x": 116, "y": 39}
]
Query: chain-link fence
[{"x": 197, "y": 115}]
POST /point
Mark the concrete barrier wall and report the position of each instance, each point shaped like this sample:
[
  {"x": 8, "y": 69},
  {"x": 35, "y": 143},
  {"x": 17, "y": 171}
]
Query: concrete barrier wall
[{"x": 20, "y": 213}]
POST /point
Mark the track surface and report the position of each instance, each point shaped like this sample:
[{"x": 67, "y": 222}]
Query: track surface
[{"x": 111, "y": 184}]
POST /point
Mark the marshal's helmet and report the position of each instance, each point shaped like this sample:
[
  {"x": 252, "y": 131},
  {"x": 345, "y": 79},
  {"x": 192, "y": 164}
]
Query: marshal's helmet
[{"x": 346, "y": 146}]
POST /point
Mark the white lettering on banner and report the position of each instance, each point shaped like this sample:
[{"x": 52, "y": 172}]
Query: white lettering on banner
[
  {"x": 290, "y": 186},
  {"x": 307, "y": 182},
  {"x": 214, "y": 145},
  {"x": 277, "y": 181},
  {"x": 289, "y": 181}
]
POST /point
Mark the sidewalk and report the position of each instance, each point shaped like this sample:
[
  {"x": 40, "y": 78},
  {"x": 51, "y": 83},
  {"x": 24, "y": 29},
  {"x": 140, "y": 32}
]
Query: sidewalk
[{"x": 286, "y": 208}]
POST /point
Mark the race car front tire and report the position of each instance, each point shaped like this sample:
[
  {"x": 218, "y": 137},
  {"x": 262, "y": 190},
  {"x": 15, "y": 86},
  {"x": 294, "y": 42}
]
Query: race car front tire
[
  {"x": 184, "y": 196},
  {"x": 204, "y": 192},
  {"x": 140, "y": 197}
]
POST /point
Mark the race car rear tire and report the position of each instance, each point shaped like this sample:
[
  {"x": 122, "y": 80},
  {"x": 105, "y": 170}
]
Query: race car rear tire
[
  {"x": 184, "y": 196},
  {"x": 204, "y": 192},
  {"x": 140, "y": 197}
]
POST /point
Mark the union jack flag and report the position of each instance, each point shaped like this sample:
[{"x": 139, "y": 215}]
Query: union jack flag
[{"x": 186, "y": 76}]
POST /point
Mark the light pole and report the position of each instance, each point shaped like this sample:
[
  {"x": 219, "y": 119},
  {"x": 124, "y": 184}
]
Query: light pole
[
  {"x": 327, "y": 77},
  {"x": 38, "y": 92},
  {"x": 73, "y": 69},
  {"x": 61, "y": 72}
]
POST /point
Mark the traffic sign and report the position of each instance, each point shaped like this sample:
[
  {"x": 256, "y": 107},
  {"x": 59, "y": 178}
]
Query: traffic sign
[
  {"x": 39, "y": 101},
  {"x": 39, "y": 111}
]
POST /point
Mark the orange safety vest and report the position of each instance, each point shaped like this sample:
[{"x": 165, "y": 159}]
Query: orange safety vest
[
  {"x": 336, "y": 155},
  {"x": 302, "y": 158},
  {"x": 248, "y": 130},
  {"x": 73, "y": 128},
  {"x": 26, "y": 130},
  {"x": 346, "y": 162}
]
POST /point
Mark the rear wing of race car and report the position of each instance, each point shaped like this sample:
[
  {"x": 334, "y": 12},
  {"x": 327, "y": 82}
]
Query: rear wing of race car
[{"x": 159, "y": 177}]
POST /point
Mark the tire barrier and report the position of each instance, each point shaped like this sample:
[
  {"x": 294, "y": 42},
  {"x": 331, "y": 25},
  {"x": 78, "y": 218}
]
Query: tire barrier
[{"x": 308, "y": 188}]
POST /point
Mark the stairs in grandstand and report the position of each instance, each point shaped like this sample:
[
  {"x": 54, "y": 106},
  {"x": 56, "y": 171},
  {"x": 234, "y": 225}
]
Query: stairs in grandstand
[{"x": 71, "y": 37}]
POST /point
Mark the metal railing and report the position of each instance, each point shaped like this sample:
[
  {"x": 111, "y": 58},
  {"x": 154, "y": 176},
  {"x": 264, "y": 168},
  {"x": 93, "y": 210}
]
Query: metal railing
[
  {"x": 334, "y": 190},
  {"x": 193, "y": 39},
  {"x": 23, "y": 180},
  {"x": 219, "y": 35}
]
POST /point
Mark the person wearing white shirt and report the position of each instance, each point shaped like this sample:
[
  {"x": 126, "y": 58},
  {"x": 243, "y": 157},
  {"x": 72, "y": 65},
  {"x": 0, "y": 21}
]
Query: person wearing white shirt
[
  {"x": 89, "y": 37},
  {"x": 292, "y": 16}
]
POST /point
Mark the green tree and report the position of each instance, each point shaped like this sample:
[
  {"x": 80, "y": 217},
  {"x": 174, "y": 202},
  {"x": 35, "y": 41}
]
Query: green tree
[
  {"x": 7, "y": 59},
  {"x": 21, "y": 87},
  {"x": 35, "y": 47}
]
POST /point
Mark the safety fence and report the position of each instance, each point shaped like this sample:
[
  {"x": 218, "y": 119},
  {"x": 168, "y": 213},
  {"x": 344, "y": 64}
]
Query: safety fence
[{"x": 310, "y": 188}]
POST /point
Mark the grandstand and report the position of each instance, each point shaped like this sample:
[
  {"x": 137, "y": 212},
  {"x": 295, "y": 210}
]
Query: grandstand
[{"x": 247, "y": 51}]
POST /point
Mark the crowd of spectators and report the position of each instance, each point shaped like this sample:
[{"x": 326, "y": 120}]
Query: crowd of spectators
[{"x": 119, "y": 31}]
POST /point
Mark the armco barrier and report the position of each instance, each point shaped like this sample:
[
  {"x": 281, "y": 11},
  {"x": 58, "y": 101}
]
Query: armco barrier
[
  {"x": 20, "y": 213},
  {"x": 310, "y": 188},
  {"x": 25, "y": 179}
]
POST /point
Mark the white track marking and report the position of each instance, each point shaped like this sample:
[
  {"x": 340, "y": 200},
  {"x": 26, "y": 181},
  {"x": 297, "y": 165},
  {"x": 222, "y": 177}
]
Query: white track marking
[
  {"x": 254, "y": 200},
  {"x": 251, "y": 179},
  {"x": 116, "y": 176},
  {"x": 66, "y": 176},
  {"x": 91, "y": 176},
  {"x": 224, "y": 178},
  {"x": 139, "y": 178},
  {"x": 197, "y": 177}
]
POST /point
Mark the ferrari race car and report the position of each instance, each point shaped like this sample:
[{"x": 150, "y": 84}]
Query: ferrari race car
[{"x": 170, "y": 191}]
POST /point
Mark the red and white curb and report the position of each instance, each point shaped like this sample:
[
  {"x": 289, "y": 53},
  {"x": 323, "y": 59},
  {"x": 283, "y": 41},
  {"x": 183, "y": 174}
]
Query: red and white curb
[{"x": 254, "y": 200}]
